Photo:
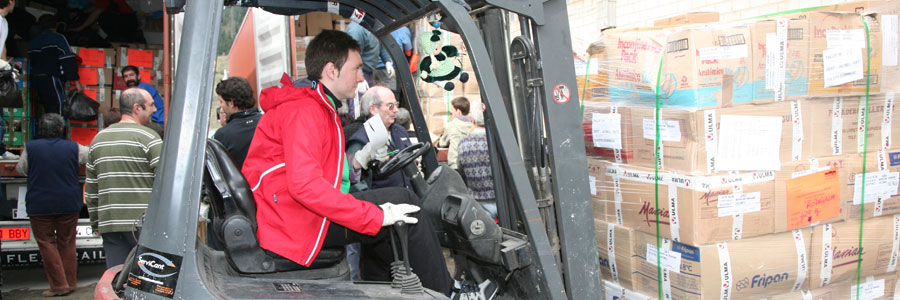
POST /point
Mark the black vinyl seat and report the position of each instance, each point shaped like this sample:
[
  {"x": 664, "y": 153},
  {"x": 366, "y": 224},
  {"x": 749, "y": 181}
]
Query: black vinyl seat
[{"x": 233, "y": 214}]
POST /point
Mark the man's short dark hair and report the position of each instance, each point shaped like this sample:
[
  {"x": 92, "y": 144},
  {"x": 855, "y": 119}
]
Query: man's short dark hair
[
  {"x": 51, "y": 125},
  {"x": 46, "y": 21},
  {"x": 237, "y": 91},
  {"x": 329, "y": 46},
  {"x": 4, "y": 3},
  {"x": 129, "y": 98},
  {"x": 130, "y": 68},
  {"x": 462, "y": 104}
]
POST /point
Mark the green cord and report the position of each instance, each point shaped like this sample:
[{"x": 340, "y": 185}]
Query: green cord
[
  {"x": 587, "y": 69},
  {"x": 656, "y": 183},
  {"x": 862, "y": 207}
]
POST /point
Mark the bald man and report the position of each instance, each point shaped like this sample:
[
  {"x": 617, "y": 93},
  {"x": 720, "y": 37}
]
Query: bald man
[{"x": 381, "y": 101}]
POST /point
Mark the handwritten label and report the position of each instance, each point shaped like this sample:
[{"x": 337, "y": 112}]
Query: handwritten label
[
  {"x": 868, "y": 290},
  {"x": 723, "y": 52},
  {"x": 889, "y": 40},
  {"x": 881, "y": 185},
  {"x": 671, "y": 260},
  {"x": 669, "y": 130},
  {"x": 852, "y": 38},
  {"x": 842, "y": 65},
  {"x": 813, "y": 198},
  {"x": 749, "y": 143},
  {"x": 140, "y": 58},
  {"x": 740, "y": 203},
  {"x": 606, "y": 130},
  {"x": 92, "y": 57}
]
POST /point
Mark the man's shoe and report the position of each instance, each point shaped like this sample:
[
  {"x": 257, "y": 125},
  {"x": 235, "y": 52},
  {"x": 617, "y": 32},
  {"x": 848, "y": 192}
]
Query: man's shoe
[
  {"x": 52, "y": 293},
  {"x": 467, "y": 290}
]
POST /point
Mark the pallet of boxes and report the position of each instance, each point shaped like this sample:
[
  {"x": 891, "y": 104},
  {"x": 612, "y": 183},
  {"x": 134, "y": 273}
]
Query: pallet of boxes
[
  {"x": 767, "y": 129},
  {"x": 100, "y": 74}
]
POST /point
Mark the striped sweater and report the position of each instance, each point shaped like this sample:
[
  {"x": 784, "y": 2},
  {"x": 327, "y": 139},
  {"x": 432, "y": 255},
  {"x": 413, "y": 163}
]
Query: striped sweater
[{"x": 120, "y": 171}]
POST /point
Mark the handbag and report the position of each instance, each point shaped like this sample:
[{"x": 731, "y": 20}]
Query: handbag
[
  {"x": 10, "y": 94},
  {"x": 80, "y": 107}
]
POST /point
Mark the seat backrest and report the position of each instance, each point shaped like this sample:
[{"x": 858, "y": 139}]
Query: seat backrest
[{"x": 237, "y": 192}]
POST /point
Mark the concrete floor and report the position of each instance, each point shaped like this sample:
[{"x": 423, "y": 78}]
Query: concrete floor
[{"x": 28, "y": 282}]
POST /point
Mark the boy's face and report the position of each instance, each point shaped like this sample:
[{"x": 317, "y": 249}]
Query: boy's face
[{"x": 345, "y": 80}]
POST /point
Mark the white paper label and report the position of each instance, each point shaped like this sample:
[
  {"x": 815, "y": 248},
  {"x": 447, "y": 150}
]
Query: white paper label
[
  {"x": 889, "y": 40},
  {"x": 827, "y": 251},
  {"x": 334, "y": 7},
  {"x": 669, "y": 130},
  {"x": 892, "y": 263},
  {"x": 887, "y": 121},
  {"x": 737, "y": 226},
  {"x": 878, "y": 185},
  {"x": 606, "y": 130},
  {"x": 357, "y": 15},
  {"x": 797, "y": 138},
  {"x": 725, "y": 270},
  {"x": 801, "y": 259},
  {"x": 593, "y": 182},
  {"x": 810, "y": 171},
  {"x": 723, "y": 52},
  {"x": 749, "y": 143},
  {"x": 671, "y": 260},
  {"x": 21, "y": 212},
  {"x": 709, "y": 126},
  {"x": 852, "y": 38},
  {"x": 614, "y": 291},
  {"x": 868, "y": 290},
  {"x": 842, "y": 65},
  {"x": 733, "y": 204},
  {"x": 837, "y": 127},
  {"x": 611, "y": 245},
  {"x": 673, "y": 213}
]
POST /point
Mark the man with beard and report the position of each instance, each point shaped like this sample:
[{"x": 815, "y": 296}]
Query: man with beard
[{"x": 133, "y": 79}]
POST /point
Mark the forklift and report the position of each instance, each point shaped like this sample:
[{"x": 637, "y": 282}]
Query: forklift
[{"x": 543, "y": 247}]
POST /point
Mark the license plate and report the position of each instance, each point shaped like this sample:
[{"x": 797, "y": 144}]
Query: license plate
[
  {"x": 22, "y": 233},
  {"x": 84, "y": 231}
]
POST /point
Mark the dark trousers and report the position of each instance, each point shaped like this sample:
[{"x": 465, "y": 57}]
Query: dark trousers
[
  {"x": 51, "y": 93},
  {"x": 117, "y": 245},
  {"x": 425, "y": 256},
  {"x": 55, "y": 235}
]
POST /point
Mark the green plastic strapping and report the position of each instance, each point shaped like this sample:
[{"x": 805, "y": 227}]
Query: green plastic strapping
[
  {"x": 792, "y": 11},
  {"x": 865, "y": 124},
  {"x": 656, "y": 183},
  {"x": 587, "y": 69}
]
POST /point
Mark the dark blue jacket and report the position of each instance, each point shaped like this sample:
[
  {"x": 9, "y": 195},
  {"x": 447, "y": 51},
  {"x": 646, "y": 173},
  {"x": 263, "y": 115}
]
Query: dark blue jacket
[
  {"x": 53, "y": 186},
  {"x": 48, "y": 53},
  {"x": 399, "y": 141}
]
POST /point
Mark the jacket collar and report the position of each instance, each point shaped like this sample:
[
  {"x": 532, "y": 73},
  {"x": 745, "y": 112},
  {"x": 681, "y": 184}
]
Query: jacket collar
[{"x": 244, "y": 113}]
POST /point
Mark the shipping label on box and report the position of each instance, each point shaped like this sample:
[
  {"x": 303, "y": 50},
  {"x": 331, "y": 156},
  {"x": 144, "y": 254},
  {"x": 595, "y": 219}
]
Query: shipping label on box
[
  {"x": 835, "y": 251},
  {"x": 792, "y": 71},
  {"x": 97, "y": 57},
  {"x": 707, "y": 68},
  {"x": 839, "y": 57},
  {"x": 96, "y": 76},
  {"x": 614, "y": 244},
  {"x": 608, "y": 131},
  {"x": 811, "y": 192}
]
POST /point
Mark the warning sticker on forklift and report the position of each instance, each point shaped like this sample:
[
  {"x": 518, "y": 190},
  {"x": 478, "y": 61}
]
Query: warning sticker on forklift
[
  {"x": 561, "y": 93},
  {"x": 154, "y": 272}
]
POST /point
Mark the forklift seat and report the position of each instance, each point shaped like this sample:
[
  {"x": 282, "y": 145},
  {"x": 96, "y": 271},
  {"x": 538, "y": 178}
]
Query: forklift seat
[{"x": 233, "y": 213}]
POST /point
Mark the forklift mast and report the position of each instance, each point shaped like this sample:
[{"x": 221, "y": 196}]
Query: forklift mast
[{"x": 533, "y": 120}]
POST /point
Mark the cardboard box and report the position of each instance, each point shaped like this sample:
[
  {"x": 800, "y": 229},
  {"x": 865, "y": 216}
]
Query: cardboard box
[
  {"x": 708, "y": 67},
  {"x": 689, "y": 18},
  {"x": 873, "y": 206},
  {"x": 614, "y": 243},
  {"x": 97, "y": 57},
  {"x": 103, "y": 95},
  {"x": 630, "y": 61},
  {"x": 889, "y": 64},
  {"x": 812, "y": 192},
  {"x": 823, "y": 24},
  {"x": 594, "y": 87},
  {"x": 841, "y": 254},
  {"x": 318, "y": 21},
  {"x": 747, "y": 269},
  {"x": 613, "y": 291},
  {"x": 689, "y": 206},
  {"x": 884, "y": 285},
  {"x": 96, "y": 76},
  {"x": 596, "y": 169},
  {"x": 820, "y": 113},
  {"x": 796, "y": 58},
  {"x": 300, "y": 25},
  {"x": 141, "y": 58}
]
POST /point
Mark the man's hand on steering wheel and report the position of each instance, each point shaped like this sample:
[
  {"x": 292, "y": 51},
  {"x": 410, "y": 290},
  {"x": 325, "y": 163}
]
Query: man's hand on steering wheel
[{"x": 367, "y": 155}]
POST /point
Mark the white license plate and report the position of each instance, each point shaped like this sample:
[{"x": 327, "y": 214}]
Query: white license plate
[{"x": 84, "y": 231}]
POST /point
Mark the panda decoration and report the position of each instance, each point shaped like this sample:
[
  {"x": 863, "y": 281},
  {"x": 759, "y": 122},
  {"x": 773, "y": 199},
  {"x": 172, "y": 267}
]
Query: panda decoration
[{"x": 437, "y": 66}]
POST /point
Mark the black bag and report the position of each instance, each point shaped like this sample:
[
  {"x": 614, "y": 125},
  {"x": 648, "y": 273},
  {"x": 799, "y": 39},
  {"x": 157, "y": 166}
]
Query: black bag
[
  {"x": 10, "y": 94},
  {"x": 80, "y": 107}
]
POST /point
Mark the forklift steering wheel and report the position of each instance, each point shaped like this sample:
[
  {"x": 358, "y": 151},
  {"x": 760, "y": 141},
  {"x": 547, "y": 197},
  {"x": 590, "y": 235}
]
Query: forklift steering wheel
[{"x": 401, "y": 159}]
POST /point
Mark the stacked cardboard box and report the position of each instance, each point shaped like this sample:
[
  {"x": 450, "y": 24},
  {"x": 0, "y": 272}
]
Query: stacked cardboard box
[{"x": 767, "y": 130}]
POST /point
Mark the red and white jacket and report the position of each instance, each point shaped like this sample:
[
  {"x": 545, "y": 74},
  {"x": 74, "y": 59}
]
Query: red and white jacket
[{"x": 294, "y": 167}]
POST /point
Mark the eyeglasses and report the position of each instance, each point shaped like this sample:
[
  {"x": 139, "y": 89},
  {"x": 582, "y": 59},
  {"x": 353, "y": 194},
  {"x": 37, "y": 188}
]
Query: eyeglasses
[{"x": 391, "y": 105}]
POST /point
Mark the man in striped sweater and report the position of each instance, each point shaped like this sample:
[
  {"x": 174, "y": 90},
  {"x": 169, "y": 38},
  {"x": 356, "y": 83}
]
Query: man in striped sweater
[{"x": 120, "y": 171}]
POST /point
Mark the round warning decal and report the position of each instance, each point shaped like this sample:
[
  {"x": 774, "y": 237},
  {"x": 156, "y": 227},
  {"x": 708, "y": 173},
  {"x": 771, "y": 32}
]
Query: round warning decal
[{"x": 561, "y": 93}]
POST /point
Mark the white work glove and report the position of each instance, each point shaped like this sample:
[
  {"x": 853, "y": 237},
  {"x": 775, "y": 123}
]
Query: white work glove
[
  {"x": 367, "y": 154},
  {"x": 398, "y": 212},
  {"x": 389, "y": 68}
]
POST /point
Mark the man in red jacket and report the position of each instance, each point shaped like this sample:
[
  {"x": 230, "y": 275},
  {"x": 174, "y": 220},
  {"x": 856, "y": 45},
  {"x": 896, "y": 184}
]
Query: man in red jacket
[{"x": 299, "y": 175}]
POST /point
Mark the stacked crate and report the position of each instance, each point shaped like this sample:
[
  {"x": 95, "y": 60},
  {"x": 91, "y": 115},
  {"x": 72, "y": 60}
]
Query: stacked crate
[{"x": 764, "y": 135}]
